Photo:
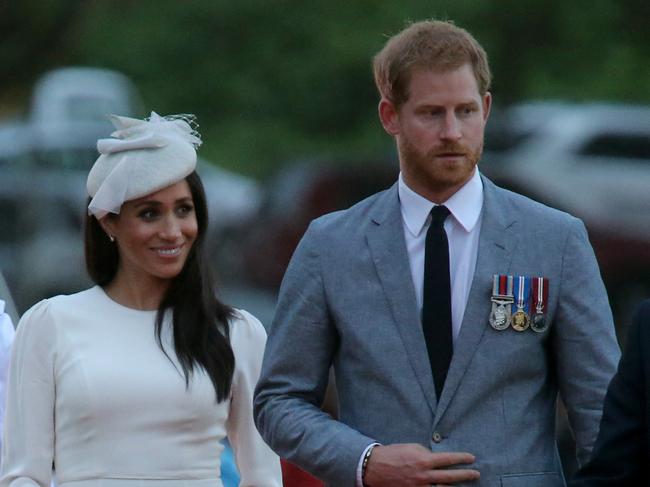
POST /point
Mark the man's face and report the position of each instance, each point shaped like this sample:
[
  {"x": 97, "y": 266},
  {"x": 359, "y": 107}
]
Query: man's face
[{"x": 439, "y": 130}]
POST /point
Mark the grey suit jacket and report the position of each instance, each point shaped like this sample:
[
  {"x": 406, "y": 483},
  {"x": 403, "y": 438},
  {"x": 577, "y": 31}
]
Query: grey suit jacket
[{"x": 347, "y": 299}]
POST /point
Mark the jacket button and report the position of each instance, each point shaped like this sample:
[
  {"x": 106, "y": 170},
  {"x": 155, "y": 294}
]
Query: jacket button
[{"x": 437, "y": 437}]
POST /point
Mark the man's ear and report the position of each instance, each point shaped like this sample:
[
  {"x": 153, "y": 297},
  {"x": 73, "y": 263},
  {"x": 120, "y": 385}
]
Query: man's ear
[
  {"x": 389, "y": 116},
  {"x": 487, "y": 103}
]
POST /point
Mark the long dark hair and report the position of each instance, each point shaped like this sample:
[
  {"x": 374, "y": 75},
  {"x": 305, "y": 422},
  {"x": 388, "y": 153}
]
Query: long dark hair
[{"x": 200, "y": 320}]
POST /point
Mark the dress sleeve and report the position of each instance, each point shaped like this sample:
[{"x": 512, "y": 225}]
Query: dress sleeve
[
  {"x": 258, "y": 465},
  {"x": 6, "y": 339},
  {"x": 28, "y": 446}
]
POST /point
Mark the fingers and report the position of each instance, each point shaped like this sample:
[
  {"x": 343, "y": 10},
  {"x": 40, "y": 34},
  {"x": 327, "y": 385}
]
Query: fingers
[
  {"x": 447, "y": 477},
  {"x": 442, "y": 477},
  {"x": 447, "y": 459}
]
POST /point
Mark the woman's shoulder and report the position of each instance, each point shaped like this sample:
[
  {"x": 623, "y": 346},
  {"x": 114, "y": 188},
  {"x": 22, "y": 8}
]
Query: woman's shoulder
[
  {"x": 46, "y": 311},
  {"x": 246, "y": 330},
  {"x": 87, "y": 296},
  {"x": 243, "y": 322},
  {"x": 37, "y": 326}
]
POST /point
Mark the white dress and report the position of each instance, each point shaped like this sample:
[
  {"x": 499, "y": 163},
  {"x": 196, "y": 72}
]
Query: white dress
[{"x": 90, "y": 390}]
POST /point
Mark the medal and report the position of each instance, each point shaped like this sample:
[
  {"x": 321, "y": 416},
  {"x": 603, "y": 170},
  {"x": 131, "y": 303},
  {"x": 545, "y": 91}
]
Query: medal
[
  {"x": 539, "y": 323},
  {"x": 500, "y": 316},
  {"x": 520, "y": 318},
  {"x": 502, "y": 299}
]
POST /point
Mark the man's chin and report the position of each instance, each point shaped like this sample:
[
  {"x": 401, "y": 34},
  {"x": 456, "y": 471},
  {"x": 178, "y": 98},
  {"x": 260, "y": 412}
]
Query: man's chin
[{"x": 451, "y": 176}]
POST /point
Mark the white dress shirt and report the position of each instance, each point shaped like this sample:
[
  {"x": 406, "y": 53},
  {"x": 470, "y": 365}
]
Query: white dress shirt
[{"x": 462, "y": 226}]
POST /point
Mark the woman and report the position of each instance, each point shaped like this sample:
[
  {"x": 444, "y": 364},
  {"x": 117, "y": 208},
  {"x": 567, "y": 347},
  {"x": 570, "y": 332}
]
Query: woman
[
  {"x": 621, "y": 455},
  {"x": 134, "y": 382}
]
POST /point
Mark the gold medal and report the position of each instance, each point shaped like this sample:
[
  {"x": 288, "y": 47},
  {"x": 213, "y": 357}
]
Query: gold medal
[{"x": 520, "y": 320}]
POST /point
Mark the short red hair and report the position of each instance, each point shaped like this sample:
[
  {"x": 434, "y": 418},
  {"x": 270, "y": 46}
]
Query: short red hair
[{"x": 436, "y": 45}]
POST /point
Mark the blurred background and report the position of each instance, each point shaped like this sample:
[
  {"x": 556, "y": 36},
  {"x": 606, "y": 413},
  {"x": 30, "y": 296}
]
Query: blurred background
[{"x": 284, "y": 96}]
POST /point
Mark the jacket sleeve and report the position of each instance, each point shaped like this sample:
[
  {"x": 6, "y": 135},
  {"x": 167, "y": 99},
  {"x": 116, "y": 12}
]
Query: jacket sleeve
[
  {"x": 620, "y": 456},
  {"x": 257, "y": 464},
  {"x": 28, "y": 445},
  {"x": 298, "y": 356},
  {"x": 585, "y": 348}
]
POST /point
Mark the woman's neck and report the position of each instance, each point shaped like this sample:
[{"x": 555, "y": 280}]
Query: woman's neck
[{"x": 137, "y": 291}]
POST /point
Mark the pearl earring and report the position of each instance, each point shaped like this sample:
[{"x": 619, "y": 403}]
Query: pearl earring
[{"x": 111, "y": 237}]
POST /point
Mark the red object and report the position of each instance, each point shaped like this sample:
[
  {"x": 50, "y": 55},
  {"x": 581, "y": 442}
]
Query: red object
[{"x": 293, "y": 476}]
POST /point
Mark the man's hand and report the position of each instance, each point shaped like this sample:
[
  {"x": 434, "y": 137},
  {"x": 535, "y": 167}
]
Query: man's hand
[{"x": 406, "y": 465}]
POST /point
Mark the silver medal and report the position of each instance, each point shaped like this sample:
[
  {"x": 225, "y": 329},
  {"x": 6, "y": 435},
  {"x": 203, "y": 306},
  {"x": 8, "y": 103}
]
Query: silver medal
[
  {"x": 501, "y": 314},
  {"x": 538, "y": 322}
]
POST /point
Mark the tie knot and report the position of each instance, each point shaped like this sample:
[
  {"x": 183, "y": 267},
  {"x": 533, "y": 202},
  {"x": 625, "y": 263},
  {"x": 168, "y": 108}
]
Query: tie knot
[{"x": 439, "y": 214}]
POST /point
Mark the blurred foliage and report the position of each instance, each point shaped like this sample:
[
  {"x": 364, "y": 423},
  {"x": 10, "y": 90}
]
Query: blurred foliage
[{"x": 275, "y": 79}]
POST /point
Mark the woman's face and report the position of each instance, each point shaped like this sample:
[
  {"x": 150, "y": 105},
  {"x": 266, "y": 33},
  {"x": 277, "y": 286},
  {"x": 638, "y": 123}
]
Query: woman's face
[{"x": 154, "y": 234}]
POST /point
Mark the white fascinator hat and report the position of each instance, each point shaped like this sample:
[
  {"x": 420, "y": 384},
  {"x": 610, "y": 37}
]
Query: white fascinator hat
[{"x": 142, "y": 157}]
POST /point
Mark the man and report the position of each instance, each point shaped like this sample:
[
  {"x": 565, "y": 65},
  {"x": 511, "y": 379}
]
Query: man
[{"x": 452, "y": 310}]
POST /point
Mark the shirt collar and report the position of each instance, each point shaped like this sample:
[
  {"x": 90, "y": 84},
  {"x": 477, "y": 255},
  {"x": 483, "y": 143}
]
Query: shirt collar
[{"x": 465, "y": 205}]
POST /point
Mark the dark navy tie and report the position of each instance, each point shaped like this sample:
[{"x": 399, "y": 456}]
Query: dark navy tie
[{"x": 436, "y": 298}]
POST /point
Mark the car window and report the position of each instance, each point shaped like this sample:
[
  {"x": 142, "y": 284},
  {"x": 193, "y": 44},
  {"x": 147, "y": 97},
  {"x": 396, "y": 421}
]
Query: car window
[
  {"x": 22, "y": 160},
  {"x": 92, "y": 108},
  {"x": 16, "y": 225},
  {"x": 22, "y": 218},
  {"x": 618, "y": 146},
  {"x": 67, "y": 158},
  {"x": 503, "y": 133},
  {"x": 501, "y": 141}
]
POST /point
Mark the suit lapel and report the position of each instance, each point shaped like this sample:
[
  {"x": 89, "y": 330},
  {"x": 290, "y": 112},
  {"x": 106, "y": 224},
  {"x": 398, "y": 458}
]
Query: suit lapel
[
  {"x": 385, "y": 239},
  {"x": 497, "y": 243}
]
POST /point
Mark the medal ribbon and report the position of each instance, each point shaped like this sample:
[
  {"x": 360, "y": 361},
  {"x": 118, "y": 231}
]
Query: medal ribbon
[
  {"x": 540, "y": 293},
  {"x": 523, "y": 292},
  {"x": 502, "y": 285}
]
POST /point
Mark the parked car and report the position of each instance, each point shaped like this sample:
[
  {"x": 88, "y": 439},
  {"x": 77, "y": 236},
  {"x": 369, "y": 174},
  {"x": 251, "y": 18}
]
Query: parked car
[
  {"x": 82, "y": 95},
  {"x": 15, "y": 144},
  {"x": 299, "y": 193},
  {"x": 41, "y": 246},
  {"x": 68, "y": 111},
  {"x": 592, "y": 160}
]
